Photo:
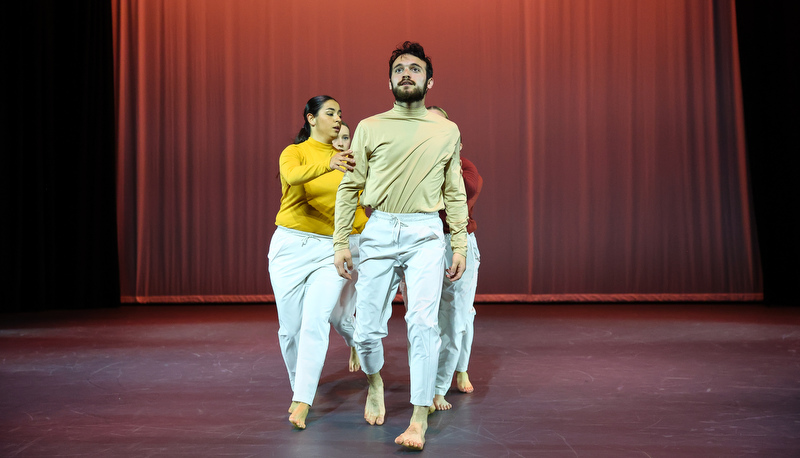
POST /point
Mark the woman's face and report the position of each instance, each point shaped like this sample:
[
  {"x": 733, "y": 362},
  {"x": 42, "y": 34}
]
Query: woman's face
[
  {"x": 326, "y": 124},
  {"x": 342, "y": 142}
]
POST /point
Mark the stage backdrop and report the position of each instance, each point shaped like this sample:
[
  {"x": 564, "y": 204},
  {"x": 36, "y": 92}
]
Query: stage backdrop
[{"x": 609, "y": 134}]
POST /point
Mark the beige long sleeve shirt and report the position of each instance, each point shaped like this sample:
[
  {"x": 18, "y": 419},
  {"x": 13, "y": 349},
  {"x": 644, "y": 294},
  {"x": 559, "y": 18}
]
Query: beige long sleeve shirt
[{"x": 407, "y": 161}]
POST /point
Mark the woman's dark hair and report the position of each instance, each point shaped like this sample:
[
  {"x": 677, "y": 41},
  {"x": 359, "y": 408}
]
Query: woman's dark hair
[
  {"x": 416, "y": 50},
  {"x": 313, "y": 106}
]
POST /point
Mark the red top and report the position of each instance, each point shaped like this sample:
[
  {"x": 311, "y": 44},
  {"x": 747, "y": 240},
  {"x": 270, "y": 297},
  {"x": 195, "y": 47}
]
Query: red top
[{"x": 472, "y": 184}]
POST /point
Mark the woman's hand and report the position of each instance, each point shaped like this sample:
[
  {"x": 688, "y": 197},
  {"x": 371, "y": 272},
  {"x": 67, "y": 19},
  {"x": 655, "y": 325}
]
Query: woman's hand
[{"x": 343, "y": 161}]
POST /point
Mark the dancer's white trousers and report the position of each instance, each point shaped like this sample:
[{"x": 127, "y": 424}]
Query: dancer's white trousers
[
  {"x": 411, "y": 244},
  {"x": 307, "y": 289},
  {"x": 343, "y": 315},
  {"x": 456, "y": 317}
]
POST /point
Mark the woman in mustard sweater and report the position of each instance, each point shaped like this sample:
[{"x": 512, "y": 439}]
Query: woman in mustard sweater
[{"x": 304, "y": 279}]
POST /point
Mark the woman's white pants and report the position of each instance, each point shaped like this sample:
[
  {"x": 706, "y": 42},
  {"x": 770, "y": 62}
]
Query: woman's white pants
[
  {"x": 307, "y": 290},
  {"x": 456, "y": 317}
]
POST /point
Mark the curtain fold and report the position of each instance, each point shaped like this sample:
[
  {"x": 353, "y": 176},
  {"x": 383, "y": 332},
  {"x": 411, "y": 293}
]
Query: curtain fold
[{"x": 609, "y": 135}]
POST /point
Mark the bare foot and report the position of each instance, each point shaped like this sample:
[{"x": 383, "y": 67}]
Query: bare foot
[
  {"x": 354, "y": 363},
  {"x": 293, "y": 406},
  {"x": 298, "y": 417},
  {"x": 375, "y": 410},
  {"x": 462, "y": 380},
  {"x": 440, "y": 403},
  {"x": 414, "y": 437}
]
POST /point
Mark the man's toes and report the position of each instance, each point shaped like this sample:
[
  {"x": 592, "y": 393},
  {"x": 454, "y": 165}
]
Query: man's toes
[{"x": 408, "y": 443}]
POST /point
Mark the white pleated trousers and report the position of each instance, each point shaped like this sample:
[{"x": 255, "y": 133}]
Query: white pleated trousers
[
  {"x": 411, "y": 244},
  {"x": 466, "y": 343},
  {"x": 307, "y": 289},
  {"x": 456, "y": 317},
  {"x": 343, "y": 316}
]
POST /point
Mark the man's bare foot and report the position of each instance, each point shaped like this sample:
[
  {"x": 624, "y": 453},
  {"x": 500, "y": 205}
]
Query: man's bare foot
[
  {"x": 298, "y": 417},
  {"x": 414, "y": 437},
  {"x": 462, "y": 380},
  {"x": 440, "y": 403},
  {"x": 375, "y": 410},
  {"x": 293, "y": 406},
  {"x": 354, "y": 363}
]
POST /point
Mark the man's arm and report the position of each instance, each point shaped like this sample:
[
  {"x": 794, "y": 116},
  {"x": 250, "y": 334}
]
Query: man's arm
[
  {"x": 346, "y": 203},
  {"x": 455, "y": 207},
  {"x": 344, "y": 215}
]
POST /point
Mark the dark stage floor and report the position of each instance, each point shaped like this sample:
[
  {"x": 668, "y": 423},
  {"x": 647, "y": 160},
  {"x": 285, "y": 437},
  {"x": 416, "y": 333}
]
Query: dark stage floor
[{"x": 551, "y": 381}]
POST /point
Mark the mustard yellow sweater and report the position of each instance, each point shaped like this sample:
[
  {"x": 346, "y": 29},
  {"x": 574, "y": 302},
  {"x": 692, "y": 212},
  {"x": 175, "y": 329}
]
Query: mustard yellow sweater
[{"x": 308, "y": 189}]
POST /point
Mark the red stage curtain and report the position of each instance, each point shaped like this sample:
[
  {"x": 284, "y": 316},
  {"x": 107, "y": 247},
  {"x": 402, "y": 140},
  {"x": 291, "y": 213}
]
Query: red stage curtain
[{"x": 609, "y": 134}]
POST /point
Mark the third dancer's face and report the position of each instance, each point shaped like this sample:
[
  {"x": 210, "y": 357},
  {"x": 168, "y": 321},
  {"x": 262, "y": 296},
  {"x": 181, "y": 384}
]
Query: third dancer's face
[{"x": 342, "y": 142}]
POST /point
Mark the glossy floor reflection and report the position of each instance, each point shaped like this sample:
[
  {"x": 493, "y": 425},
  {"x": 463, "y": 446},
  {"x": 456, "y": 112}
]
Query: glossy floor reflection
[{"x": 634, "y": 380}]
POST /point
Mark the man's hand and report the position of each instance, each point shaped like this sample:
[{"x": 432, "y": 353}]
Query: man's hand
[
  {"x": 456, "y": 270},
  {"x": 343, "y": 261}
]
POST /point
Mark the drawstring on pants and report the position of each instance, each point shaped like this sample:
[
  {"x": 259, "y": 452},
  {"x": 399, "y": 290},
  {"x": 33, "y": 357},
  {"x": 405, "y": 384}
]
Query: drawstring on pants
[
  {"x": 397, "y": 225},
  {"x": 307, "y": 238}
]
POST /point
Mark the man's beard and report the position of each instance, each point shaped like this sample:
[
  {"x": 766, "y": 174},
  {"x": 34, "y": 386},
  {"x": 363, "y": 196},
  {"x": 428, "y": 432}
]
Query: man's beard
[{"x": 416, "y": 95}]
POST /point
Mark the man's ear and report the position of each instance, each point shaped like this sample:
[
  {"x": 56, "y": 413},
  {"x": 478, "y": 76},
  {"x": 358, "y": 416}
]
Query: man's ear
[{"x": 430, "y": 83}]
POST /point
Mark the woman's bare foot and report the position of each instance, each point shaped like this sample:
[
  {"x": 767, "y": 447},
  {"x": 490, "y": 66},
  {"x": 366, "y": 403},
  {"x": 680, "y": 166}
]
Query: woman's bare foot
[
  {"x": 440, "y": 403},
  {"x": 293, "y": 406},
  {"x": 375, "y": 410},
  {"x": 462, "y": 381},
  {"x": 414, "y": 437},
  {"x": 298, "y": 417},
  {"x": 354, "y": 363}
]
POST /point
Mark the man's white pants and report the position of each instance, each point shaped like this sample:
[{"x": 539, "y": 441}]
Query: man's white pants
[
  {"x": 307, "y": 289},
  {"x": 456, "y": 317},
  {"x": 391, "y": 244}
]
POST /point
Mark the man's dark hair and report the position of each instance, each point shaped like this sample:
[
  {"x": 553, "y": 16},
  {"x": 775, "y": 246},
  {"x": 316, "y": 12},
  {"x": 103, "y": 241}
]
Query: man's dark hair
[{"x": 416, "y": 50}]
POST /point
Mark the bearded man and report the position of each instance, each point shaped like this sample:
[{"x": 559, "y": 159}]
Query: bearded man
[{"x": 408, "y": 167}]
